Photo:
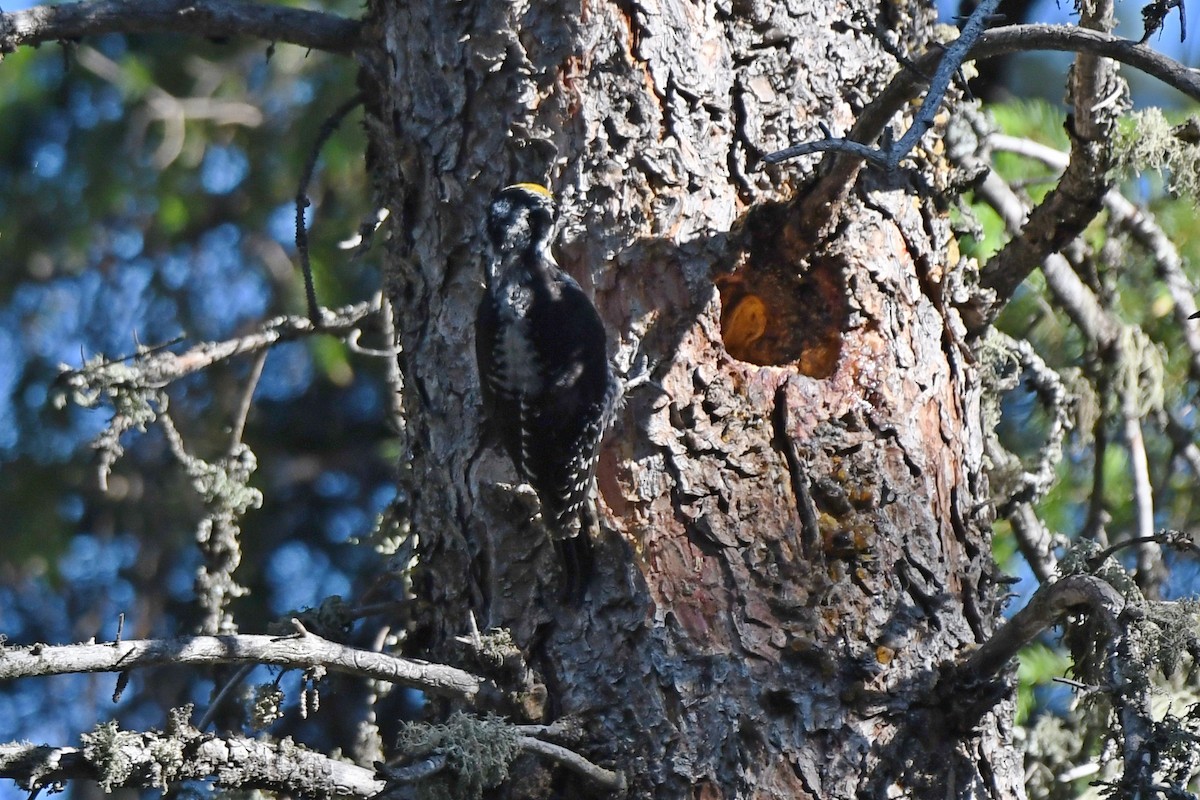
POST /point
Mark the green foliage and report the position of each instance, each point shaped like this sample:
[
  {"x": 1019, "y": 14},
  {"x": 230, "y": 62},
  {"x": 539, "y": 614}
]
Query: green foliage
[{"x": 1039, "y": 666}]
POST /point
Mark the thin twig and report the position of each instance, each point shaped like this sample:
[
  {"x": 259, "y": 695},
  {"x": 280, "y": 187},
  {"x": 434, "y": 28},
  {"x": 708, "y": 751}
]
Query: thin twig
[
  {"x": 243, "y": 410},
  {"x": 302, "y": 202},
  {"x": 1074, "y": 684},
  {"x": 951, "y": 60},
  {"x": 1167, "y": 538},
  {"x": 230, "y": 685}
]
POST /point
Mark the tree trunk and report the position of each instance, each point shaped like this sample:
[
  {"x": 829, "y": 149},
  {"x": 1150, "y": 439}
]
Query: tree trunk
[{"x": 795, "y": 517}]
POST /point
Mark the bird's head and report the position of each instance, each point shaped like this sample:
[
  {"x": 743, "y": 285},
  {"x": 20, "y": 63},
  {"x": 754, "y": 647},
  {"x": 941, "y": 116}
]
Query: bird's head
[{"x": 521, "y": 217}]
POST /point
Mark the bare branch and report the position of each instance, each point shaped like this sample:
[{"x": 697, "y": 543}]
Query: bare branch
[
  {"x": 842, "y": 163},
  {"x": 1045, "y": 609},
  {"x": 1143, "y": 229},
  {"x": 1096, "y": 94},
  {"x": 949, "y": 64},
  {"x": 613, "y": 781},
  {"x": 294, "y": 652},
  {"x": 211, "y": 19},
  {"x": 1033, "y": 540},
  {"x": 157, "y": 367}
]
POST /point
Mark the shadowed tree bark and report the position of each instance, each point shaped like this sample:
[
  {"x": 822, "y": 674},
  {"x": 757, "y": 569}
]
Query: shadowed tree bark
[{"x": 795, "y": 519}]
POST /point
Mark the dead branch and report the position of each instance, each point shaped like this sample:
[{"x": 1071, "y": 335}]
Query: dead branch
[
  {"x": 1045, "y": 609},
  {"x": 1142, "y": 228},
  {"x": 156, "y": 368},
  {"x": 608, "y": 779},
  {"x": 147, "y": 760},
  {"x": 950, "y": 62},
  {"x": 294, "y": 652},
  {"x": 212, "y": 19},
  {"x": 844, "y": 157}
]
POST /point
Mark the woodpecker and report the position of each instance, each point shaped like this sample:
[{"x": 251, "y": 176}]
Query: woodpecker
[{"x": 549, "y": 390}]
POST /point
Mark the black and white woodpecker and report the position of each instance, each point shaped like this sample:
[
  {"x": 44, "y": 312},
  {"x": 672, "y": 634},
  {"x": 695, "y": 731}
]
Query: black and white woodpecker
[{"x": 548, "y": 388}]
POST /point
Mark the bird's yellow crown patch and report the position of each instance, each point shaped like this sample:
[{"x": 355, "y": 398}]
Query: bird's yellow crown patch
[{"x": 536, "y": 188}]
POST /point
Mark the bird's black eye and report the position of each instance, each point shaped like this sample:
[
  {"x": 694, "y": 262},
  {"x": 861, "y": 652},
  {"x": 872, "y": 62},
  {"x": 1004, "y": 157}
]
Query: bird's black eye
[
  {"x": 499, "y": 220},
  {"x": 500, "y": 211}
]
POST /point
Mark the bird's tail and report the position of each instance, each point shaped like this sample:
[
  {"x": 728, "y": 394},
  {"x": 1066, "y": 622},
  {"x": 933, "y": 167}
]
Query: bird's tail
[{"x": 576, "y": 558}]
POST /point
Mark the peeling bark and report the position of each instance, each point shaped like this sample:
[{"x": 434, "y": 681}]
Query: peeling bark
[{"x": 796, "y": 534}]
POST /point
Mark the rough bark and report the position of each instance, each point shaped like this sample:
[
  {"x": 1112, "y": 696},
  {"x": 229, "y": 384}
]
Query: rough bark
[{"x": 795, "y": 541}]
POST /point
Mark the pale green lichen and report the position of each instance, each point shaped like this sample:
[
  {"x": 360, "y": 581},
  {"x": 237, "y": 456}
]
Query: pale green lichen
[
  {"x": 110, "y": 750},
  {"x": 267, "y": 707},
  {"x": 1146, "y": 141},
  {"x": 478, "y": 752}
]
